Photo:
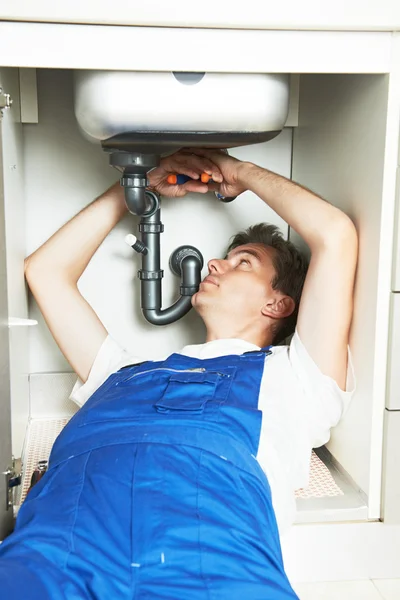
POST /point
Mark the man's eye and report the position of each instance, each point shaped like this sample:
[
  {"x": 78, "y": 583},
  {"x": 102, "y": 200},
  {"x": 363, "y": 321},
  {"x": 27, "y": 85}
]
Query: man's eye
[{"x": 246, "y": 262}]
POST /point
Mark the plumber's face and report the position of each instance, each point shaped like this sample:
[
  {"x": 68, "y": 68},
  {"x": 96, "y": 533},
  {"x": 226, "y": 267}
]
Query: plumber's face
[{"x": 238, "y": 286}]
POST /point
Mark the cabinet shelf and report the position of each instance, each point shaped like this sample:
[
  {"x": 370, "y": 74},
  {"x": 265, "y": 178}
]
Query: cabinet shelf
[{"x": 19, "y": 322}]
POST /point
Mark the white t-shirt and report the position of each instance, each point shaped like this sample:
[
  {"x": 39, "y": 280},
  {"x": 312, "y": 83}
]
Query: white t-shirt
[{"x": 299, "y": 406}]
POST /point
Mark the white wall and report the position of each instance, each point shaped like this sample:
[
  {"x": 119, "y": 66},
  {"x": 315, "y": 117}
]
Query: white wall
[
  {"x": 308, "y": 14},
  {"x": 64, "y": 172}
]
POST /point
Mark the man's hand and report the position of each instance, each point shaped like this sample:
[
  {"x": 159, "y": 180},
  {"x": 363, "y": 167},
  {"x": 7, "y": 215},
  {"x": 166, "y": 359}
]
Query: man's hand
[
  {"x": 184, "y": 162},
  {"x": 232, "y": 171}
]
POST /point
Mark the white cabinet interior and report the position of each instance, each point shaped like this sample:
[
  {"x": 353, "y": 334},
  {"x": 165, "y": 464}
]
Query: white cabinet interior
[{"x": 342, "y": 149}]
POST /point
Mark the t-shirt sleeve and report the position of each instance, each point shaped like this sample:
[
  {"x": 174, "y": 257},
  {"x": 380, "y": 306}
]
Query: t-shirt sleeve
[
  {"x": 324, "y": 402},
  {"x": 110, "y": 358}
]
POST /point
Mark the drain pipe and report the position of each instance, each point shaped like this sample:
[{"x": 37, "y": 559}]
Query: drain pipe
[
  {"x": 134, "y": 167},
  {"x": 185, "y": 261}
]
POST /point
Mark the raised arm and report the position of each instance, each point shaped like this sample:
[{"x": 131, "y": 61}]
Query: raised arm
[
  {"x": 54, "y": 269},
  {"x": 53, "y": 272},
  {"x": 327, "y": 301},
  {"x": 326, "y": 305}
]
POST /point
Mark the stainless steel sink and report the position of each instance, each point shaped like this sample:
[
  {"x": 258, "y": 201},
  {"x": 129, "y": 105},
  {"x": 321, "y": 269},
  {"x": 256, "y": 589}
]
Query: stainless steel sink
[{"x": 138, "y": 110}]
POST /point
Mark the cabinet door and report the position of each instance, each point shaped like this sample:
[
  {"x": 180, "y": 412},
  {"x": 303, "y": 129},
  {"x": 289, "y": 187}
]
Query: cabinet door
[
  {"x": 396, "y": 242},
  {"x": 393, "y": 371},
  {"x": 391, "y": 459},
  {"x": 6, "y": 512}
]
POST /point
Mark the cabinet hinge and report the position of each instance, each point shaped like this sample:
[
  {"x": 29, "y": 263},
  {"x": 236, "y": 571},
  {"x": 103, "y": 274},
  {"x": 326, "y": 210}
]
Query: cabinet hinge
[
  {"x": 5, "y": 101},
  {"x": 13, "y": 480}
]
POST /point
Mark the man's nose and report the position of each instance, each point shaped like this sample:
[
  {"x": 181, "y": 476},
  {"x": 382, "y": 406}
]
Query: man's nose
[{"x": 217, "y": 265}]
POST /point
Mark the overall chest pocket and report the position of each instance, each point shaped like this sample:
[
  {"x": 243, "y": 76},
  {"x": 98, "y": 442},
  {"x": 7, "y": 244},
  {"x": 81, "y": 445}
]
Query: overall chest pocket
[
  {"x": 137, "y": 396},
  {"x": 190, "y": 392}
]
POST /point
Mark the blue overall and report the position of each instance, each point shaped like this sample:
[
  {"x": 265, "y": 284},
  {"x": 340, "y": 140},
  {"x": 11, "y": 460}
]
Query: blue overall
[{"x": 154, "y": 493}]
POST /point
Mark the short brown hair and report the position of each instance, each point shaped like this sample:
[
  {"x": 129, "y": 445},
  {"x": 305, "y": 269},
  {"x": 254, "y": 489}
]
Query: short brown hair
[{"x": 290, "y": 267}]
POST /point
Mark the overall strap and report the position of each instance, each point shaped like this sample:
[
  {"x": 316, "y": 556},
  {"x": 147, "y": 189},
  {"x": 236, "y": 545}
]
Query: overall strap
[
  {"x": 134, "y": 365},
  {"x": 266, "y": 350}
]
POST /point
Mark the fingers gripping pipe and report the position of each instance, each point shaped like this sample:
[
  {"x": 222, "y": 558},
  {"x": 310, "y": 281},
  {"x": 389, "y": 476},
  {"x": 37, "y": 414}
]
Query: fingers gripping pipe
[{"x": 185, "y": 261}]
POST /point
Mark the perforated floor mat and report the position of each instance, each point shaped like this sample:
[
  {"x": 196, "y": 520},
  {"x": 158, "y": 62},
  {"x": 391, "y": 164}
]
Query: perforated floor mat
[
  {"x": 40, "y": 437},
  {"x": 41, "y": 434},
  {"x": 321, "y": 483}
]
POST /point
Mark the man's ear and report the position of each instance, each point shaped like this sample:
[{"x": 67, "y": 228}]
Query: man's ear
[{"x": 279, "y": 307}]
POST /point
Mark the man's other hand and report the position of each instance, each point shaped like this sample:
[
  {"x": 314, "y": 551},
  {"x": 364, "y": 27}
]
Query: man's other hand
[
  {"x": 235, "y": 173},
  {"x": 184, "y": 162}
]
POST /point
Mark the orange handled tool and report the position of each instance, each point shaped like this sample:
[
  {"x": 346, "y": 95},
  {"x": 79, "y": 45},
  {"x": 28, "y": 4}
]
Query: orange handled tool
[
  {"x": 205, "y": 178},
  {"x": 180, "y": 179}
]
